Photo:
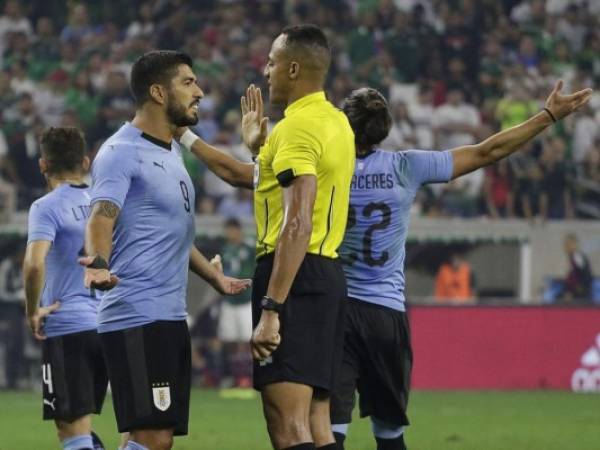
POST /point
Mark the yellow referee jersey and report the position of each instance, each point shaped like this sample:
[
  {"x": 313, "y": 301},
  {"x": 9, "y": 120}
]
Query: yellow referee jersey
[{"x": 314, "y": 138}]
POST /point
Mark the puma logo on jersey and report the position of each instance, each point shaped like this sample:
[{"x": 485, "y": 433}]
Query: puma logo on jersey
[
  {"x": 51, "y": 404},
  {"x": 161, "y": 165}
]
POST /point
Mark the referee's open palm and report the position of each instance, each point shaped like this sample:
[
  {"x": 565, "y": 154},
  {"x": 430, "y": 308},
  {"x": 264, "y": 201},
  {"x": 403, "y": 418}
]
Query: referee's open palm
[{"x": 254, "y": 125}]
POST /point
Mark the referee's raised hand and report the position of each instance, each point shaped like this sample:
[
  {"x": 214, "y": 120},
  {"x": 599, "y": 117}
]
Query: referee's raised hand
[
  {"x": 97, "y": 277},
  {"x": 266, "y": 337},
  {"x": 254, "y": 125}
]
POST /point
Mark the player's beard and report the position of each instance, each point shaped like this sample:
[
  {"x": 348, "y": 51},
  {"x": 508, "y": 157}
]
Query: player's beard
[{"x": 177, "y": 115}]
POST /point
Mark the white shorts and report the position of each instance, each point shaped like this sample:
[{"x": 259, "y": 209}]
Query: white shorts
[{"x": 235, "y": 322}]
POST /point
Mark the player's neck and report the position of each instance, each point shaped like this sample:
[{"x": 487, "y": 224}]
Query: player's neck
[
  {"x": 153, "y": 123},
  {"x": 55, "y": 181}
]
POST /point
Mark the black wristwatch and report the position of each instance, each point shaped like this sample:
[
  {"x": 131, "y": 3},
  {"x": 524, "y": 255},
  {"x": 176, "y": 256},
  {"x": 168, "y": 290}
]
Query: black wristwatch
[
  {"x": 271, "y": 305},
  {"x": 98, "y": 263}
]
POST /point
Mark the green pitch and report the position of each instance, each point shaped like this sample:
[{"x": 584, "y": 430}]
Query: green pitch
[{"x": 441, "y": 420}]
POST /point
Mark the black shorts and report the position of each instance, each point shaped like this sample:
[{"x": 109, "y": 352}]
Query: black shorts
[
  {"x": 312, "y": 333},
  {"x": 149, "y": 370},
  {"x": 377, "y": 363},
  {"x": 73, "y": 375}
]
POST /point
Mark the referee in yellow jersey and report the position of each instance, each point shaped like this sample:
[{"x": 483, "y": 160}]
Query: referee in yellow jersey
[{"x": 301, "y": 181}]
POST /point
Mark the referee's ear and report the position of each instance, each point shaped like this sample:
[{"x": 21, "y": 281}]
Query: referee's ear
[{"x": 294, "y": 71}]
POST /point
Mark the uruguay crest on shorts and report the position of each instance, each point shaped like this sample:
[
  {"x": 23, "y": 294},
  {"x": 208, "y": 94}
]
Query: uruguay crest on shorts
[{"x": 161, "y": 393}]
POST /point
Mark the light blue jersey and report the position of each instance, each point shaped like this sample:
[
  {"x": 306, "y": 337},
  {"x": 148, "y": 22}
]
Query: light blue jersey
[
  {"x": 383, "y": 188},
  {"x": 60, "y": 217},
  {"x": 154, "y": 232}
]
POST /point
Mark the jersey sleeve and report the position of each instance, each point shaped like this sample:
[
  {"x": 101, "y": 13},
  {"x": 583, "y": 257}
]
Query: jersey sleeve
[
  {"x": 297, "y": 152},
  {"x": 42, "y": 223},
  {"x": 112, "y": 172},
  {"x": 425, "y": 166}
]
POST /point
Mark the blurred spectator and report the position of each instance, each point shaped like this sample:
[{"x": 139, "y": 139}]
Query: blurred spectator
[
  {"x": 45, "y": 50},
  {"x": 13, "y": 21},
  {"x": 78, "y": 28},
  {"x": 144, "y": 25},
  {"x": 81, "y": 97},
  {"x": 116, "y": 104},
  {"x": 556, "y": 200},
  {"x": 7, "y": 189},
  {"x": 403, "y": 132},
  {"x": 12, "y": 300},
  {"x": 239, "y": 205},
  {"x": 235, "y": 321},
  {"x": 515, "y": 107},
  {"x": 455, "y": 281},
  {"x": 455, "y": 122},
  {"x": 499, "y": 196},
  {"x": 528, "y": 177},
  {"x": 578, "y": 283},
  {"x": 586, "y": 131}
]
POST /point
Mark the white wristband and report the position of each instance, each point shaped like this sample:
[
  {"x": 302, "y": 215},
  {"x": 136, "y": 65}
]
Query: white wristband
[{"x": 188, "y": 138}]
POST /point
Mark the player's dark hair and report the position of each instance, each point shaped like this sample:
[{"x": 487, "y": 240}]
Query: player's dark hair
[
  {"x": 155, "y": 67},
  {"x": 309, "y": 42},
  {"x": 63, "y": 148},
  {"x": 233, "y": 222},
  {"x": 369, "y": 117}
]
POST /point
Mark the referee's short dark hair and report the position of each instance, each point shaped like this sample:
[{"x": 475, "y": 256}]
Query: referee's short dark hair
[
  {"x": 155, "y": 67},
  {"x": 369, "y": 117},
  {"x": 63, "y": 148},
  {"x": 306, "y": 34},
  {"x": 310, "y": 43}
]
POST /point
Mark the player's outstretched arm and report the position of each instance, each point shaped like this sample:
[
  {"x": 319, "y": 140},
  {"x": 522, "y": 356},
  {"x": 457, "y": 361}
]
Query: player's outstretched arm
[
  {"x": 471, "y": 157},
  {"x": 212, "y": 273},
  {"x": 98, "y": 246},
  {"x": 298, "y": 204},
  {"x": 34, "y": 274},
  {"x": 229, "y": 169}
]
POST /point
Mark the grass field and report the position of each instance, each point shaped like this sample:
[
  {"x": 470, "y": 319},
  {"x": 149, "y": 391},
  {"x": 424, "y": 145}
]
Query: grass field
[{"x": 441, "y": 420}]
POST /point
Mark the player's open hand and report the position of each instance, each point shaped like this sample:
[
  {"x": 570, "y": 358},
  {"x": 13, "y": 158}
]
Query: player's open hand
[
  {"x": 562, "y": 105},
  {"x": 37, "y": 318},
  {"x": 100, "y": 279},
  {"x": 254, "y": 125},
  {"x": 227, "y": 285},
  {"x": 266, "y": 337}
]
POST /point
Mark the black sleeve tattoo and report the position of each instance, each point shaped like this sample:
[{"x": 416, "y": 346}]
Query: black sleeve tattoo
[{"x": 106, "y": 209}]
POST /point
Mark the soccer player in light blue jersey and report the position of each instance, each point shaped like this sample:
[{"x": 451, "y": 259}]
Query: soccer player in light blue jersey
[
  {"x": 377, "y": 351},
  {"x": 60, "y": 311},
  {"x": 141, "y": 231}
]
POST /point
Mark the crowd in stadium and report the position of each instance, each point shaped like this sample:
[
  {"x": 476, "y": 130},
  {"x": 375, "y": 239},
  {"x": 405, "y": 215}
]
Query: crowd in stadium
[{"x": 448, "y": 67}]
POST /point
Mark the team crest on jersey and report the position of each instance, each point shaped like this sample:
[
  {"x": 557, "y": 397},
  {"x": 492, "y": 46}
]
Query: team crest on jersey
[{"x": 161, "y": 393}]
